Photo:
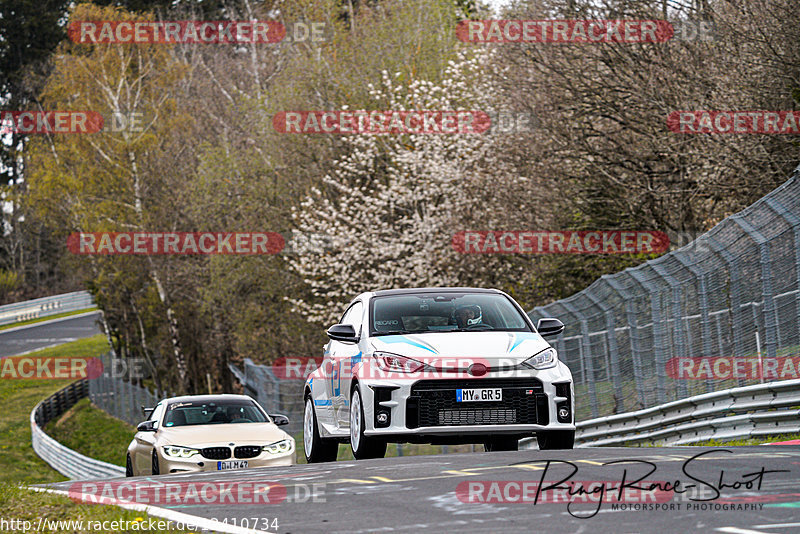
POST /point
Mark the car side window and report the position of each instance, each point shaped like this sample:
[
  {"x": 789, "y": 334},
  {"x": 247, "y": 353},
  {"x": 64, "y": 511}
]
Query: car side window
[
  {"x": 353, "y": 315},
  {"x": 157, "y": 413}
]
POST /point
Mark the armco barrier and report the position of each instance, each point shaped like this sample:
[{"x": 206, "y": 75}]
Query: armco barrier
[
  {"x": 43, "y": 307},
  {"x": 747, "y": 412},
  {"x": 64, "y": 460}
]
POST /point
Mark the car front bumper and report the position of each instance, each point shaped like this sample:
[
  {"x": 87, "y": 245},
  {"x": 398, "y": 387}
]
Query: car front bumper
[
  {"x": 533, "y": 401},
  {"x": 198, "y": 463}
]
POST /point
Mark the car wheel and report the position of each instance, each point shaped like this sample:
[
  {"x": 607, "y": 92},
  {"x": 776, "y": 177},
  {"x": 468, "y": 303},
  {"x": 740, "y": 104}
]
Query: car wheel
[
  {"x": 363, "y": 447},
  {"x": 154, "y": 464},
  {"x": 555, "y": 439},
  {"x": 128, "y": 466},
  {"x": 316, "y": 448},
  {"x": 501, "y": 443}
]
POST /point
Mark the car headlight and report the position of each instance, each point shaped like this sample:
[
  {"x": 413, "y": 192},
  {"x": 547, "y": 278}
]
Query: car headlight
[
  {"x": 395, "y": 363},
  {"x": 543, "y": 360},
  {"x": 177, "y": 451},
  {"x": 279, "y": 447}
]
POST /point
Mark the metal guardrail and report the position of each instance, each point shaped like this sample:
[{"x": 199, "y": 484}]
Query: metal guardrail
[
  {"x": 64, "y": 460},
  {"x": 43, "y": 307},
  {"x": 747, "y": 412}
]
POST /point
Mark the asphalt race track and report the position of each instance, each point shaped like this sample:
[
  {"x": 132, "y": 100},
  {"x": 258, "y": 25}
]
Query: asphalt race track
[
  {"x": 419, "y": 493},
  {"x": 47, "y": 334}
]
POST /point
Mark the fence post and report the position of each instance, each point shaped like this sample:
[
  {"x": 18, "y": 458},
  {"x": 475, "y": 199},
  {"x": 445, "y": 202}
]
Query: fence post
[
  {"x": 736, "y": 317},
  {"x": 633, "y": 336},
  {"x": 613, "y": 351},
  {"x": 129, "y": 411},
  {"x": 794, "y": 222},
  {"x": 586, "y": 355},
  {"x": 658, "y": 332},
  {"x": 769, "y": 311},
  {"x": 705, "y": 320},
  {"x": 678, "y": 334}
]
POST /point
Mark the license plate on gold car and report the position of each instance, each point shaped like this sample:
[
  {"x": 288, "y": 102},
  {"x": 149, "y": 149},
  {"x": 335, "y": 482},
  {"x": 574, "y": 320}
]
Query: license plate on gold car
[{"x": 232, "y": 464}]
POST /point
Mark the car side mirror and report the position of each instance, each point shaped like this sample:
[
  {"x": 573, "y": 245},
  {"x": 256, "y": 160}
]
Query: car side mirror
[
  {"x": 279, "y": 419},
  {"x": 343, "y": 332},
  {"x": 146, "y": 426},
  {"x": 548, "y": 327}
]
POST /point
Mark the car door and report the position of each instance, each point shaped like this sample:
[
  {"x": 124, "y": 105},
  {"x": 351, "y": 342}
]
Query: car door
[
  {"x": 145, "y": 441},
  {"x": 342, "y": 357}
]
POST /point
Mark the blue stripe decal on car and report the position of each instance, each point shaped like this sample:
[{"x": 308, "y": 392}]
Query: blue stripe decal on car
[
  {"x": 323, "y": 402},
  {"x": 519, "y": 338},
  {"x": 404, "y": 339}
]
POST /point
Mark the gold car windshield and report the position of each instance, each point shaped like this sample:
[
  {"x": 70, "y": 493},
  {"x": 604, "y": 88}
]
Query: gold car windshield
[{"x": 212, "y": 413}]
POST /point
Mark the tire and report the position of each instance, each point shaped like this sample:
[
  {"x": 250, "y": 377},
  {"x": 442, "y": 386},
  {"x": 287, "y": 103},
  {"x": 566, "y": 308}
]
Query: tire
[
  {"x": 555, "y": 439},
  {"x": 316, "y": 448},
  {"x": 128, "y": 466},
  {"x": 501, "y": 443},
  {"x": 363, "y": 447},
  {"x": 154, "y": 468}
]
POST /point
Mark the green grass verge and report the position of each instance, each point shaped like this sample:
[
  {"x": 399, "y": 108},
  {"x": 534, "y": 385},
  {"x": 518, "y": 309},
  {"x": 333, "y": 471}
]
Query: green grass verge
[
  {"x": 744, "y": 441},
  {"x": 19, "y": 465},
  {"x": 46, "y": 318}
]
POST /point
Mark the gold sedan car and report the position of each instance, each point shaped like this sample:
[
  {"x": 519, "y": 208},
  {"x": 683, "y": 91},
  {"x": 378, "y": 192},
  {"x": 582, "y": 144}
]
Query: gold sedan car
[{"x": 208, "y": 433}]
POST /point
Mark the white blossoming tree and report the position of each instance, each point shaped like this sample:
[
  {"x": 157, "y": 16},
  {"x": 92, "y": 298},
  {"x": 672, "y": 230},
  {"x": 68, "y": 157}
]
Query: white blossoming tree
[{"x": 392, "y": 206}]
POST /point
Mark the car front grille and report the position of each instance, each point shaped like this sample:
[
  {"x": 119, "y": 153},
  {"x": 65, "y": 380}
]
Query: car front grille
[
  {"x": 433, "y": 403},
  {"x": 247, "y": 451},
  {"x": 216, "y": 453}
]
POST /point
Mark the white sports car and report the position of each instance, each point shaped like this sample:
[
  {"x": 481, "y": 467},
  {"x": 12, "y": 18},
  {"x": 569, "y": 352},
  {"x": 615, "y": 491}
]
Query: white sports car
[{"x": 441, "y": 365}]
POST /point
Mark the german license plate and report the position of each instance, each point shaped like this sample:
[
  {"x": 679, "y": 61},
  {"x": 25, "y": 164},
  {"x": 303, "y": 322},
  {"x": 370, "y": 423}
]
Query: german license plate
[
  {"x": 232, "y": 464},
  {"x": 479, "y": 395}
]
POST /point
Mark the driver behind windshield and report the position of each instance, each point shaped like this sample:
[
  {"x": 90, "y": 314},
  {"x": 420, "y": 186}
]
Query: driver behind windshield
[{"x": 468, "y": 315}]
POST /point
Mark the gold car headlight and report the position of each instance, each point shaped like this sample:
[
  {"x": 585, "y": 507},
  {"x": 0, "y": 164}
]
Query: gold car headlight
[
  {"x": 279, "y": 447},
  {"x": 176, "y": 451}
]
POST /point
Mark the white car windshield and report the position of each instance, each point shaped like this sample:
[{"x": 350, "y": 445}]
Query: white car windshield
[
  {"x": 416, "y": 313},
  {"x": 212, "y": 413}
]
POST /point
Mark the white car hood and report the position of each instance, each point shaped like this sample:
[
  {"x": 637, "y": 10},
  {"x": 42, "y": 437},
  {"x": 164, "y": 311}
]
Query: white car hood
[{"x": 492, "y": 347}]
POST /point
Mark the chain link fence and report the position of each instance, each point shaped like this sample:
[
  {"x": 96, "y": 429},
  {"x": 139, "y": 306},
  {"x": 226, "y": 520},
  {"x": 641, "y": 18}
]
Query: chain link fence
[
  {"x": 721, "y": 312},
  {"x": 118, "y": 397},
  {"x": 274, "y": 394}
]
